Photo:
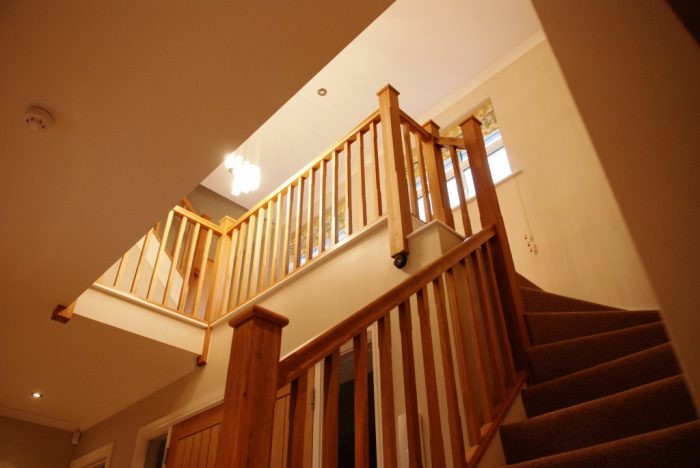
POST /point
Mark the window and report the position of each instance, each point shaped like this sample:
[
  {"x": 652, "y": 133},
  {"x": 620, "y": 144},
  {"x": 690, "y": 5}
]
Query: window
[{"x": 495, "y": 150}]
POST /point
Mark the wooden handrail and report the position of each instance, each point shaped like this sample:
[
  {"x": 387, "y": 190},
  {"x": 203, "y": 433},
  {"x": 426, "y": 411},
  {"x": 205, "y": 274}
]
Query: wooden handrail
[
  {"x": 313, "y": 351},
  {"x": 198, "y": 219}
]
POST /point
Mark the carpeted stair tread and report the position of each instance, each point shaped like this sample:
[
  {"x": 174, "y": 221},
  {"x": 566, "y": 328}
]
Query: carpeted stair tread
[
  {"x": 548, "y": 327},
  {"x": 540, "y": 301},
  {"x": 677, "y": 446},
  {"x": 552, "y": 360},
  {"x": 611, "y": 377},
  {"x": 642, "y": 409}
]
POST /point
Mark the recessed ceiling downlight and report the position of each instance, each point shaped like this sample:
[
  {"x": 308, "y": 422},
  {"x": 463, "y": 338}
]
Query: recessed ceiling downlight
[
  {"x": 322, "y": 91},
  {"x": 37, "y": 395}
]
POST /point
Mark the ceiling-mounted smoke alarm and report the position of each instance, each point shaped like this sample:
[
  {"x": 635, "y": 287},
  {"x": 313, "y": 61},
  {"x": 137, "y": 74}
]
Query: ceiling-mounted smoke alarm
[{"x": 38, "y": 118}]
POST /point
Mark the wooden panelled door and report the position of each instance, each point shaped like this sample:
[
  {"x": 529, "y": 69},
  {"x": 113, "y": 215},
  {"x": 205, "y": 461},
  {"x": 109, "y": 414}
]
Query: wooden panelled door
[{"x": 193, "y": 442}]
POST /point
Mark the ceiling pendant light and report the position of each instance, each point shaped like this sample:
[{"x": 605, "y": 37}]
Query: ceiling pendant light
[{"x": 243, "y": 164}]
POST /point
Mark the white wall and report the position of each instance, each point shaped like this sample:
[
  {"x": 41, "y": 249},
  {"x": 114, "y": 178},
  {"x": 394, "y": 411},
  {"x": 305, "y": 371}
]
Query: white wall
[{"x": 562, "y": 197}]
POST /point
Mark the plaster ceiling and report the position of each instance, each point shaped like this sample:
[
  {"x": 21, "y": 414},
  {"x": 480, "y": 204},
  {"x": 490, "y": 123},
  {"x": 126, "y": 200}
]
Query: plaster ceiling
[
  {"x": 146, "y": 97},
  {"x": 427, "y": 50}
]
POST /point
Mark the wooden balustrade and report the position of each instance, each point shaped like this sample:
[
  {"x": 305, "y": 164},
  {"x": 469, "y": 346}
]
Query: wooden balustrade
[
  {"x": 332, "y": 198},
  {"x": 176, "y": 265},
  {"x": 460, "y": 334}
]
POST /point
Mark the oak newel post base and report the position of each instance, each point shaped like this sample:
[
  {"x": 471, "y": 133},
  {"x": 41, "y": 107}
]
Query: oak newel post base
[{"x": 251, "y": 386}]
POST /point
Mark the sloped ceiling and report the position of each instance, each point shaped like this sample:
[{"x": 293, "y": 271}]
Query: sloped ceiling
[{"x": 146, "y": 97}]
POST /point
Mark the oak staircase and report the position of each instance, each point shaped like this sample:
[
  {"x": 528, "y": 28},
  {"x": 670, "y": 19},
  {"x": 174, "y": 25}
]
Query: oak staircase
[{"x": 455, "y": 342}]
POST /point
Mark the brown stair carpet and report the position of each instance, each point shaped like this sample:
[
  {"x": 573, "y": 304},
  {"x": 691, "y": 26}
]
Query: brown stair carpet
[
  {"x": 547, "y": 327},
  {"x": 642, "y": 409},
  {"x": 607, "y": 390},
  {"x": 552, "y": 360},
  {"x": 541, "y": 301},
  {"x": 676, "y": 446},
  {"x": 604, "y": 379}
]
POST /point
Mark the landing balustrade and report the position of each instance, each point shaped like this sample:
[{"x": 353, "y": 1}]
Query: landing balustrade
[{"x": 462, "y": 366}]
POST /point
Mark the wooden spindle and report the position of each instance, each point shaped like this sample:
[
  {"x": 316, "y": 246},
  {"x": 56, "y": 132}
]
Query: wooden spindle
[
  {"x": 310, "y": 215},
  {"x": 139, "y": 263},
  {"x": 246, "y": 269},
  {"x": 322, "y": 207},
  {"x": 361, "y": 400},
  {"x": 253, "y": 288},
  {"x": 159, "y": 255},
  {"x": 120, "y": 269},
  {"x": 334, "y": 199},
  {"x": 331, "y": 396},
  {"x": 415, "y": 457},
  {"x": 399, "y": 210},
  {"x": 348, "y": 190},
  {"x": 493, "y": 350},
  {"x": 245, "y": 436},
  {"x": 478, "y": 342},
  {"x": 453, "y": 417},
  {"x": 462, "y": 351},
  {"x": 275, "y": 267},
  {"x": 173, "y": 263},
  {"x": 298, "y": 403},
  {"x": 377, "y": 175},
  {"x": 499, "y": 317},
  {"x": 410, "y": 169},
  {"x": 461, "y": 192},
  {"x": 363, "y": 190},
  {"x": 423, "y": 179},
  {"x": 287, "y": 231},
  {"x": 435, "y": 168},
  {"x": 298, "y": 248},
  {"x": 188, "y": 268},
  {"x": 386, "y": 386},
  {"x": 202, "y": 273},
  {"x": 238, "y": 265},
  {"x": 437, "y": 447},
  {"x": 266, "y": 247}
]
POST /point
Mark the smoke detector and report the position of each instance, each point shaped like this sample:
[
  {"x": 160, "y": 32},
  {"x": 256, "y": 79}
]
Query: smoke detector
[{"x": 38, "y": 119}]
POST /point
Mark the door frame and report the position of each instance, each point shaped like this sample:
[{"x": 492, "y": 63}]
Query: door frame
[
  {"x": 164, "y": 425},
  {"x": 102, "y": 454}
]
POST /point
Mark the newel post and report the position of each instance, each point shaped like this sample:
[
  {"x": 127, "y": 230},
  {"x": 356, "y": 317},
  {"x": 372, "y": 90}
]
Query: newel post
[
  {"x": 399, "y": 209},
  {"x": 245, "y": 436},
  {"x": 435, "y": 167},
  {"x": 490, "y": 213}
]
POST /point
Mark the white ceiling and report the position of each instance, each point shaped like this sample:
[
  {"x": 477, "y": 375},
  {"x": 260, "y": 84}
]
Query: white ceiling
[
  {"x": 146, "y": 97},
  {"x": 426, "y": 50}
]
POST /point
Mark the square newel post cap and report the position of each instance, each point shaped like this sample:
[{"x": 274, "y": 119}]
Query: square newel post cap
[
  {"x": 258, "y": 312},
  {"x": 389, "y": 88},
  {"x": 432, "y": 127},
  {"x": 471, "y": 117},
  {"x": 226, "y": 222}
]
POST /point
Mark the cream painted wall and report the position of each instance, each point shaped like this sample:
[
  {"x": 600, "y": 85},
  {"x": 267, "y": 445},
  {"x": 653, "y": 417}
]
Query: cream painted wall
[
  {"x": 210, "y": 203},
  {"x": 27, "y": 445},
  {"x": 562, "y": 197}
]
